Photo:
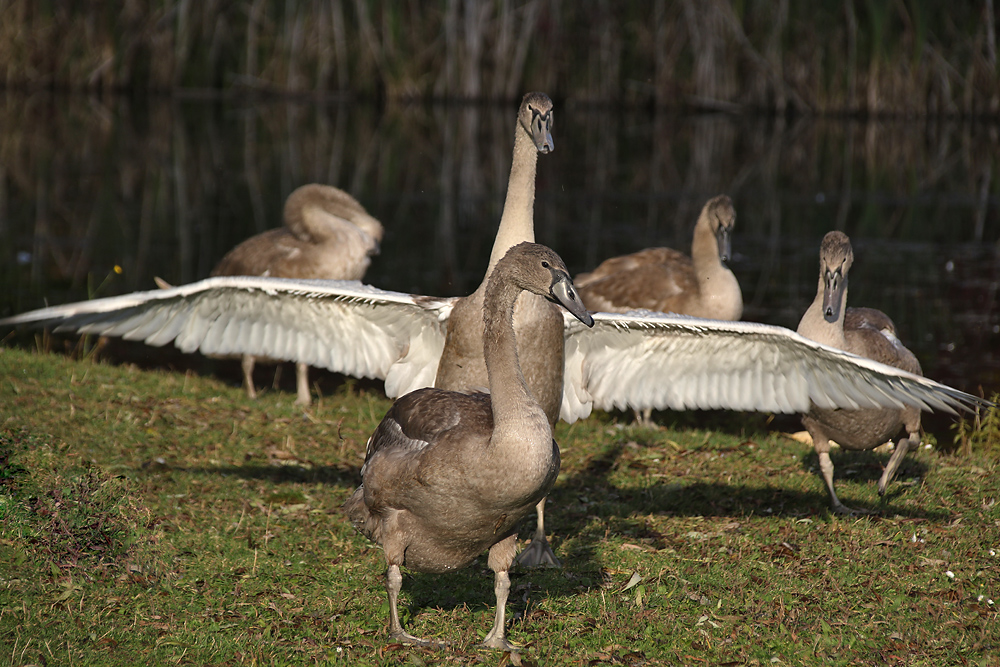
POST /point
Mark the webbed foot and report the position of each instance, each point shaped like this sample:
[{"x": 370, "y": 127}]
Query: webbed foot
[
  {"x": 404, "y": 637},
  {"x": 843, "y": 510},
  {"x": 538, "y": 554},
  {"x": 500, "y": 643}
]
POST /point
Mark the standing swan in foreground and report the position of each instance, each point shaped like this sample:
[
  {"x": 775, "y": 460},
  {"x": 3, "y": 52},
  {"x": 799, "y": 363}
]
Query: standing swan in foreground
[
  {"x": 868, "y": 333},
  {"x": 449, "y": 474},
  {"x": 669, "y": 281},
  {"x": 327, "y": 235},
  {"x": 538, "y": 324}
]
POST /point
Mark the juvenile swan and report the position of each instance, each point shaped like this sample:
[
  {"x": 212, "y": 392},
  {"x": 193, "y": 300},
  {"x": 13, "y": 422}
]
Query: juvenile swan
[
  {"x": 669, "y": 281},
  {"x": 449, "y": 474},
  {"x": 327, "y": 234},
  {"x": 868, "y": 333}
]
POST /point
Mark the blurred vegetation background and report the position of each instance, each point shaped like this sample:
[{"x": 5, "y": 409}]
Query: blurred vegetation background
[{"x": 824, "y": 56}]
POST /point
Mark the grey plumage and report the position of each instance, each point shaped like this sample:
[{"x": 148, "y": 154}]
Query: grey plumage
[
  {"x": 537, "y": 323},
  {"x": 448, "y": 474},
  {"x": 669, "y": 281},
  {"x": 863, "y": 331}
]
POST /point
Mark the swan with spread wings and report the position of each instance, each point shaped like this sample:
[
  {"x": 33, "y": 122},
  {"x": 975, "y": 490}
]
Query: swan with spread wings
[{"x": 634, "y": 360}]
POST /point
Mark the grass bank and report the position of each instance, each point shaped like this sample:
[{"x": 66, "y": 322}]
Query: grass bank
[{"x": 161, "y": 518}]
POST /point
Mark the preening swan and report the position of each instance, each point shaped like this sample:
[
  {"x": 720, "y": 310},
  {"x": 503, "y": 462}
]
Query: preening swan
[
  {"x": 327, "y": 234},
  {"x": 448, "y": 474},
  {"x": 866, "y": 332}
]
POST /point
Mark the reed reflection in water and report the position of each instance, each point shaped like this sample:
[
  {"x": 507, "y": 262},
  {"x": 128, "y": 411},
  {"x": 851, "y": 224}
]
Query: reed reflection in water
[{"x": 165, "y": 186}]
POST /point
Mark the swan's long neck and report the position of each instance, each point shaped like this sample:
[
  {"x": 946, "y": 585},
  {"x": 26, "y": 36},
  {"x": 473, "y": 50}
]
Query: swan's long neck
[
  {"x": 513, "y": 404},
  {"x": 813, "y": 325},
  {"x": 312, "y": 223},
  {"x": 705, "y": 250},
  {"x": 517, "y": 222}
]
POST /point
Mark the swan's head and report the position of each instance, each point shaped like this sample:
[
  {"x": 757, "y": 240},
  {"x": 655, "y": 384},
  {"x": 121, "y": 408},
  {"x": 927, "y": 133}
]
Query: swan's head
[
  {"x": 720, "y": 216},
  {"x": 370, "y": 226},
  {"x": 835, "y": 259},
  {"x": 537, "y": 268},
  {"x": 373, "y": 231},
  {"x": 535, "y": 116}
]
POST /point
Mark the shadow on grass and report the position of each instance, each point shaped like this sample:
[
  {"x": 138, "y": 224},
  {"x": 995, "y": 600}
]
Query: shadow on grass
[
  {"x": 268, "y": 376},
  {"x": 591, "y": 491},
  {"x": 472, "y": 588},
  {"x": 348, "y": 477},
  {"x": 702, "y": 499},
  {"x": 587, "y": 507},
  {"x": 666, "y": 496}
]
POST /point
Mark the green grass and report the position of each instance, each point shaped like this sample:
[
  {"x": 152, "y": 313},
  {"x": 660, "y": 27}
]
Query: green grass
[{"x": 155, "y": 518}]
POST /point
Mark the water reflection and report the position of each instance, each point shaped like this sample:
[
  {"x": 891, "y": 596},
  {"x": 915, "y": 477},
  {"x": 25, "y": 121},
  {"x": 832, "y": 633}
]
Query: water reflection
[{"x": 164, "y": 187}]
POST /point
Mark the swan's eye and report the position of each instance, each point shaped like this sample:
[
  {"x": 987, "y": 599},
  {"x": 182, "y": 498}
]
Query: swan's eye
[{"x": 545, "y": 264}]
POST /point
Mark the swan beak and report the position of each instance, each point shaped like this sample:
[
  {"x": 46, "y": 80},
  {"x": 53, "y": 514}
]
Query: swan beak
[
  {"x": 542, "y": 136},
  {"x": 833, "y": 293},
  {"x": 545, "y": 145},
  {"x": 725, "y": 244},
  {"x": 564, "y": 294}
]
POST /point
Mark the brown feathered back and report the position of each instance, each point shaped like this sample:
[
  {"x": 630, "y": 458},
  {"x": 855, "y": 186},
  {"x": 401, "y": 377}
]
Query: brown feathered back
[{"x": 666, "y": 280}]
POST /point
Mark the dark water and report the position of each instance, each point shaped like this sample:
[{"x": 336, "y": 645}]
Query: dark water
[{"x": 164, "y": 187}]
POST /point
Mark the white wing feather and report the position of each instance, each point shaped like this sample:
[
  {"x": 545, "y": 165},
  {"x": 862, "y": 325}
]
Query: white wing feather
[
  {"x": 638, "y": 360},
  {"x": 653, "y": 360},
  {"x": 344, "y": 326}
]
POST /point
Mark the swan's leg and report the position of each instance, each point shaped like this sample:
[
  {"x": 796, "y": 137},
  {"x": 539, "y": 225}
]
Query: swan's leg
[
  {"x": 902, "y": 446},
  {"x": 826, "y": 467},
  {"x": 500, "y": 559},
  {"x": 302, "y": 384},
  {"x": 821, "y": 443},
  {"x": 644, "y": 418},
  {"x": 539, "y": 552},
  {"x": 248, "y": 364},
  {"x": 393, "y": 584}
]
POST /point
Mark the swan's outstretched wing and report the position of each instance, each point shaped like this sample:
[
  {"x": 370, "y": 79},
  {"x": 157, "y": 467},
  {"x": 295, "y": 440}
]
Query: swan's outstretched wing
[
  {"x": 652, "y": 360},
  {"x": 343, "y": 326}
]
